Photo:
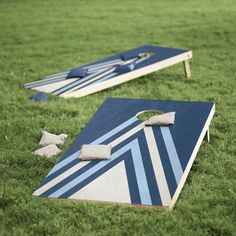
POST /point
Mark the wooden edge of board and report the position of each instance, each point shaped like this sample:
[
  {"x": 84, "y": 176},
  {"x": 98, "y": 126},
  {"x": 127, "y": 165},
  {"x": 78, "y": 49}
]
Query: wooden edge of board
[
  {"x": 130, "y": 76},
  {"x": 192, "y": 158},
  {"x": 159, "y": 208}
]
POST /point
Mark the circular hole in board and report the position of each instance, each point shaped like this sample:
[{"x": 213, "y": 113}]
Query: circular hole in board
[{"x": 145, "y": 115}]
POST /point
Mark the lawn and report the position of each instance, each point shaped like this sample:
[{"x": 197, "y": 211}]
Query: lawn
[{"x": 41, "y": 37}]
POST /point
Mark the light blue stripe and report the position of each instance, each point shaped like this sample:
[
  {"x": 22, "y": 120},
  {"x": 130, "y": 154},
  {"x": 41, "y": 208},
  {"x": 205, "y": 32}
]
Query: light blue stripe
[
  {"x": 64, "y": 162},
  {"x": 102, "y": 64},
  {"x": 105, "y": 66},
  {"x": 92, "y": 71},
  {"x": 88, "y": 173},
  {"x": 115, "y": 130},
  {"x": 139, "y": 170},
  {"x": 44, "y": 82},
  {"x": 141, "y": 60},
  {"x": 140, "y": 174},
  {"x": 172, "y": 153},
  {"x": 94, "y": 82},
  {"x": 113, "y": 74},
  {"x": 95, "y": 67},
  {"x": 101, "y": 139},
  {"x": 71, "y": 85},
  {"x": 61, "y": 76},
  {"x": 57, "y": 74},
  {"x": 103, "y": 79}
]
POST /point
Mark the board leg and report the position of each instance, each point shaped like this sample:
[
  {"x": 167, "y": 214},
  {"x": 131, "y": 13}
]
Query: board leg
[
  {"x": 187, "y": 71},
  {"x": 207, "y": 136}
]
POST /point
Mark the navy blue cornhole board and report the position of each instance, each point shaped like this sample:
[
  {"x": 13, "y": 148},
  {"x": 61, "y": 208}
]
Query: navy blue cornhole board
[
  {"x": 110, "y": 71},
  {"x": 148, "y": 165}
]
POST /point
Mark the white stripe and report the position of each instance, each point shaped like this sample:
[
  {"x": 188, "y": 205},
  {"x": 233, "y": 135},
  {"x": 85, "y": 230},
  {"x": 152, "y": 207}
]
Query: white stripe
[
  {"x": 73, "y": 169},
  {"x": 140, "y": 174},
  {"x": 111, "y": 186},
  {"x": 127, "y": 135},
  {"x": 139, "y": 170},
  {"x": 157, "y": 167},
  {"x": 106, "y": 73},
  {"x": 99, "y": 140},
  {"x": 102, "y": 64},
  {"x": 87, "y": 77},
  {"x": 57, "y": 74},
  {"x": 60, "y": 177},
  {"x": 48, "y": 88},
  {"x": 42, "y": 81},
  {"x": 172, "y": 153},
  {"x": 88, "y": 81}
]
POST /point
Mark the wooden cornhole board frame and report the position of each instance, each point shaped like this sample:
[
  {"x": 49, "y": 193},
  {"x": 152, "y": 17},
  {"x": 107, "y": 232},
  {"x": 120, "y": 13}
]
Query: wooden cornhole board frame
[
  {"x": 161, "y": 58},
  {"x": 148, "y": 165}
]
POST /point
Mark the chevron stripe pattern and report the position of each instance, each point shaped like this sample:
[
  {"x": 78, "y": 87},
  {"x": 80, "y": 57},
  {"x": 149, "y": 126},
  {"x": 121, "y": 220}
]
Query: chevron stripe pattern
[
  {"x": 135, "y": 174},
  {"x": 58, "y": 83},
  {"x": 108, "y": 72}
]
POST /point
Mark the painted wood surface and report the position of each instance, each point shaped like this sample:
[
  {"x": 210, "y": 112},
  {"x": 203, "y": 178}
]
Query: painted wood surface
[
  {"x": 104, "y": 73},
  {"x": 148, "y": 165}
]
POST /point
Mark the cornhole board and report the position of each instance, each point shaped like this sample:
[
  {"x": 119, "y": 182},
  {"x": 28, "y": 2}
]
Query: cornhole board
[
  {"x": 120, "y": 68},
  {"x": 148, "y": 165}
]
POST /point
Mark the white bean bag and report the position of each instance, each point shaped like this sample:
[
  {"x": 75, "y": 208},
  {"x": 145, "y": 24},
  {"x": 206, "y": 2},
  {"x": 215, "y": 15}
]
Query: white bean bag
[
  {"x": 48, "y": 151},
  {"x": 49, "y": 138},
  {"x": 163, "y": 119},
  {"x": 95, "y": 152}
]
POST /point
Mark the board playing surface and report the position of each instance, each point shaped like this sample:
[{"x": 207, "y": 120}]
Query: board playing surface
[
  {"x": 148, "y": 165},
  {"x": 111, "y": 71}
]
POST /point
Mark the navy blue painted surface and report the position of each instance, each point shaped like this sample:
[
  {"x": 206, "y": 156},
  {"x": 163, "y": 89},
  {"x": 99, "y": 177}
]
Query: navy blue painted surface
[
  {"x": 189, "y": 121},
  {"x": 129, "y": 55},
  {"x": 124, "y": 68},
  {"x": 152, "y": 184},
  {"x": 77, "y": 72},
  {"x": 170, "y": 178},
  {"x": 39, "y": 97},
  {"x": 159, "y": 54}
]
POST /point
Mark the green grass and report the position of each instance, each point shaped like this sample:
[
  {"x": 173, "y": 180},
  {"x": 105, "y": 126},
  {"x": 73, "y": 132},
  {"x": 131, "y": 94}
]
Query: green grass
[{"x": 42, "y": 37}]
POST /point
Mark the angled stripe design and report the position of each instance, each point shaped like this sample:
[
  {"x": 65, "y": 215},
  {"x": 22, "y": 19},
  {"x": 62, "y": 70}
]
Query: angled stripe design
[
  {"x": 138, "y": 164},
  {"x": 114, "y": 62},
  {"x": 172, "y": 153},
  {"x": 103, "y": 78},
  {"x": 64, "y": 184},
  {"x": 48, "y": 88},
  {"x": 157, "y": 167},
  {"x": 91, "y": 68},
  {"x": 99, "y": 140},
  {"x": 97, "y": 73},
  {"x": 69, "y": 86},
  {"x": 57, "y": 74},
  {"x": 111, "y": 75},
  {"x": 110, "y": 186},
  {"x": 60, "y": 177},
  {"x": 62, "y": 75},
  {"x": 48, "y": 181},
  {"x": 149, "y": 58},
  {"x": 106, "y": 63},
  {"x": 44, "y": 82},
  {"x": 89, "y": 81},
  {"x": 73, "y": 159},
  {"x": 140, "y": 173}
]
